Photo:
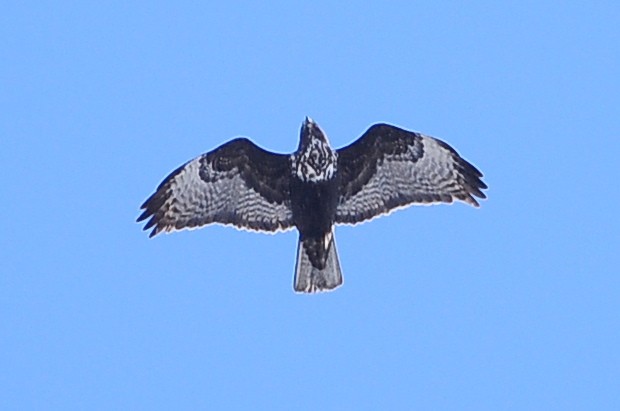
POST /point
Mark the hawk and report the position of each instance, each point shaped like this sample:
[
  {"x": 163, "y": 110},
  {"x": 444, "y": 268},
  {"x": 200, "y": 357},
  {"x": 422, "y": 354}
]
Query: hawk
[{"x": 312, "y": 189}]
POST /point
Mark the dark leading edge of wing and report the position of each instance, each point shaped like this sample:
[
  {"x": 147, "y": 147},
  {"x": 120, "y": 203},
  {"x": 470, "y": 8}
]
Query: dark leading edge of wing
[
  {"x": 238, "y": 183},
  {"x": 388, "y": 168}
]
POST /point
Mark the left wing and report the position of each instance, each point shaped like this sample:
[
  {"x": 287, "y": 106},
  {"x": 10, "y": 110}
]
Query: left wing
[
  {"x": 238, "y": 183},
  {"x": 389, "y": 168}
]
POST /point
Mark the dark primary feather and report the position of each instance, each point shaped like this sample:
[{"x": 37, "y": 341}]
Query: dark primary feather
[
  {"x": 388, "y": 167},
  {"x": 238, "y": 183}
]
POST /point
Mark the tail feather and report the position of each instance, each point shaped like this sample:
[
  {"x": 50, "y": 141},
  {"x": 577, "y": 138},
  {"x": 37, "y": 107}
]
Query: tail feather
[{"x": 312, "y": 273}]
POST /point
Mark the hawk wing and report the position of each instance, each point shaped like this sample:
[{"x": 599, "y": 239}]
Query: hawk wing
[
  {"x": 388, "y": 168},
  {"x": 238, "y": 183}
]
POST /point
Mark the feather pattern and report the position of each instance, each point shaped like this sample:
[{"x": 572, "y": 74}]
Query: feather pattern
[
  {"x": 238, "y": 184},
  {"x": 389, "y": 168}
]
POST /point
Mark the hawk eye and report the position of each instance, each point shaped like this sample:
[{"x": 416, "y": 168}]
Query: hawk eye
[{"x": 221, "y": 164}]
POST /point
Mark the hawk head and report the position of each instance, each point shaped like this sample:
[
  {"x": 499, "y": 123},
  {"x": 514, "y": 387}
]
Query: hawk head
[
  {"x": 314, "y": 159},
  {"x": 310, "y": 131}
]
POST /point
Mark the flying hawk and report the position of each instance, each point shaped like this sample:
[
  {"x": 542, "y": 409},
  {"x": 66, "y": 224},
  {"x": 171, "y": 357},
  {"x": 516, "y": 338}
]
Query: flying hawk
[{"x": 243, "y": 185}]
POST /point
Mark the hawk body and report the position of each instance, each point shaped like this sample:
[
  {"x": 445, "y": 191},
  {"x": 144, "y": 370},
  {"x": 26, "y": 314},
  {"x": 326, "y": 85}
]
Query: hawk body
[
  {"x": 313, "y": 189},
  {"x": 314, "y": 200}
]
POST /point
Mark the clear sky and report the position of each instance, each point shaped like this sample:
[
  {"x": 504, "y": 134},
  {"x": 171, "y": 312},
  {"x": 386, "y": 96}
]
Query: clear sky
[{"x": 513, "y": 306}]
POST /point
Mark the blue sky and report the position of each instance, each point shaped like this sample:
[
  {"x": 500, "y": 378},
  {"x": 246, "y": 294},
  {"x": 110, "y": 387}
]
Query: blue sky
[{"x": 511, "y": 306}]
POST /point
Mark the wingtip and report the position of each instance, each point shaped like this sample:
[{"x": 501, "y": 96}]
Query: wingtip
[
  {"x": 145, "y": 214},
  {"x": 470, "y": 199}
]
